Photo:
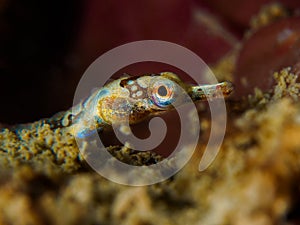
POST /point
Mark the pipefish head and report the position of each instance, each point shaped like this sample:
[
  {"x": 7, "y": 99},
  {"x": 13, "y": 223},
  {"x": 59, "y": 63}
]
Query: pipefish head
[{"x": 135, "y": 98}]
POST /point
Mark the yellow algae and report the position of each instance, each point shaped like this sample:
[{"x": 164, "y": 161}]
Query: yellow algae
[
  {"x": 40, "y": 144},
  {"x": 268, "y": 14},
  {"x": 286, "y": 86},
  {"x": 238, "y": 175}
]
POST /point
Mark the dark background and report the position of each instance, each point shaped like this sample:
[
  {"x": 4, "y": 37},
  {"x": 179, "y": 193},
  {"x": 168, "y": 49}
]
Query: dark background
[{"x": 45, "y": 46}]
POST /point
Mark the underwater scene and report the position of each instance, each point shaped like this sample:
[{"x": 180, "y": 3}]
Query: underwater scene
[{"x": 150, "y": 112}]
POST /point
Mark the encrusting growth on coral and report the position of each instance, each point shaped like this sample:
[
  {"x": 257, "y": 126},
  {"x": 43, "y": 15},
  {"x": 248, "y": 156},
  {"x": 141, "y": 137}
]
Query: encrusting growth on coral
[
  {"x": 268, "y": 14},
  {"x": 41, "y": 147},
  {"x": 286, "y": 86}
]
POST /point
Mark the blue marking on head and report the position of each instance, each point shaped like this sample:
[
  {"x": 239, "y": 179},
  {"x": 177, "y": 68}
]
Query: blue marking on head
[
  {"x": 98, "y": 120},
  {"x": 130, "y": 82},
  {"x": 103, "y": 92},
  {"x": 87, "y": 133},
  {"x": 164, "y": 102}
]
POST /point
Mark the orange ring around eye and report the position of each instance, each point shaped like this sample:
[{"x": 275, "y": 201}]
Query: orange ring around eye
[
  {"x": 162, "y": 94},
  {"x": 163, "y": 91}
]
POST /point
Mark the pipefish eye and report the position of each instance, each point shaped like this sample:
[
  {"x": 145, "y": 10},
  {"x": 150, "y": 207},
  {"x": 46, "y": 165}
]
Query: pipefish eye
[{"x": 162, "y": 92}]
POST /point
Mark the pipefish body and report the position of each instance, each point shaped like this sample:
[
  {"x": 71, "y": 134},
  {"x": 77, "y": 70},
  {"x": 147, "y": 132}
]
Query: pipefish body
[{"x": 132, "y": 99}]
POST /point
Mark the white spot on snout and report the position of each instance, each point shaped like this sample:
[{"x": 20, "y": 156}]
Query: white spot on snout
[
  {"x": 139, "y": 93},
  {"x": 134, "y": 88}
]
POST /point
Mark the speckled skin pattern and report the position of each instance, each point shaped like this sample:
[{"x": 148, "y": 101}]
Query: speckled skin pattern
[{"x": 133, "y": 99}]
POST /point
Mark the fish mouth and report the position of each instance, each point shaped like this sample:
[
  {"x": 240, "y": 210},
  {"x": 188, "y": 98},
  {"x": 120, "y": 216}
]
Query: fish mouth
[{"x": 210, "y": 91}]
